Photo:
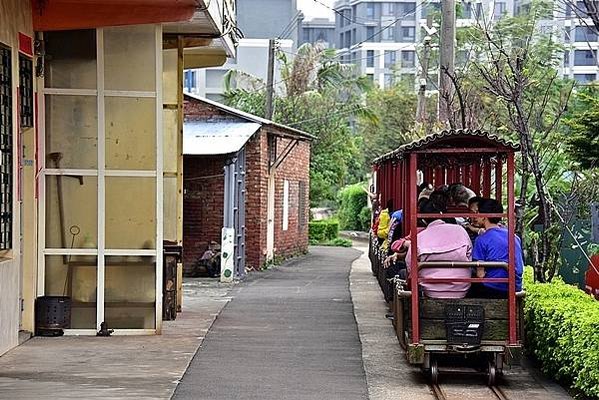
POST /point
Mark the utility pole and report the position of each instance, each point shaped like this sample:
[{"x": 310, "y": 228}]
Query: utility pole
[
  {"x": 424, "y": 65},
  {"x": 270, "y": 80},
  {"x": 446, "y": 58}
]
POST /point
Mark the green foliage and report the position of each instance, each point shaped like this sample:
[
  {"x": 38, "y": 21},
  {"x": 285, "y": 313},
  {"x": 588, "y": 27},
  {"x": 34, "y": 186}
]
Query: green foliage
[
  {"x": 395, "y": 109},
  {"x": 583, "y": 138},
  {"x": 321, "y": 96},
  {"x": 353, "y": 207},
  {"x": 561, "y": 325},
  {"x": 323, "y": 231}
]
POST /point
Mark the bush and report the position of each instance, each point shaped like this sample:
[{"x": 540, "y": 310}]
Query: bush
[
  {"x": 354, "y": 213},
  {"x": 561, "y": 329},
  {"x": 323, "y": 231}
]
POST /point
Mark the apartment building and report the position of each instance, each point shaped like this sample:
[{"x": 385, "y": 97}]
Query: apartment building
[
  {"x": 317, "y": 30},
  {"x": 383, "y": 37},
  {"x": 259, "y": 20}
]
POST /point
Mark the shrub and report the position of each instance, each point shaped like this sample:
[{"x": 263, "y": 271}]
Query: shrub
[
  {"x": 323, "y": 231},
  {"x": 561, "y": 329},
  {"x": 354, "y": 213}
]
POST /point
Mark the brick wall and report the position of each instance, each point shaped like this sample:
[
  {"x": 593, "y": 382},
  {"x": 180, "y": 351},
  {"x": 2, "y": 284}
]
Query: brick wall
[
  {"x": 256, "y": 184},
  {"x": 203, "y": 199},
  {"x": 295, "y": 169},
  {"x": 202, "y": 205}
]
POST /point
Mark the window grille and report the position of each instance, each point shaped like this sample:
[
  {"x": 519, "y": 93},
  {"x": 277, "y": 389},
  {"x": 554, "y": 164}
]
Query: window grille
[
  {"x": 5, "y": 149},
  {"x": 301, "y": 217},
  {"x": 26, "y": 90}
]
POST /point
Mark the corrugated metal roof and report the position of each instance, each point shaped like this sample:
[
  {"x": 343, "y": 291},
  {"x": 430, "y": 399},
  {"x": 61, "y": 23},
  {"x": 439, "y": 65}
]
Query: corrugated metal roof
[
  {"x": 430, "y": 140},
  {"x": 203, "y": 138},
  {"x": 292, "y": 132}
]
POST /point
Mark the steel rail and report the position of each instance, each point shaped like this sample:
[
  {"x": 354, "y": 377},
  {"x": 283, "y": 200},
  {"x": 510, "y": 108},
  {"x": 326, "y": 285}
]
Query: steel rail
[{"x": 440, "y": 395}]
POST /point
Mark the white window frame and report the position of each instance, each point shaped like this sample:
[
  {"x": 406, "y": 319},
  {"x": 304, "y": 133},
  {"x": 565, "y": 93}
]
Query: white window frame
[
  {"x": 285, "y": 205},
  {"x": 101, "y": 173}
]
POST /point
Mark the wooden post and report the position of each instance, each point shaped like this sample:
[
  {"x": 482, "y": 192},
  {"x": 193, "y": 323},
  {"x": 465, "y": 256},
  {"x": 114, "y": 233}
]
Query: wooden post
[
  {"x": 511, "y": 249},
  {"x": 414, "y": 247}
]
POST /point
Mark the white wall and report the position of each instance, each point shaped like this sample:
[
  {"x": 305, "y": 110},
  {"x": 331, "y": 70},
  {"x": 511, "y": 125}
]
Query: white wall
[{"x": 9, "y": 305}]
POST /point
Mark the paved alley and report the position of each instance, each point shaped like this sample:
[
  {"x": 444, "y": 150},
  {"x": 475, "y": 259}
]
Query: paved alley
[{"x": 287, "y": 334}]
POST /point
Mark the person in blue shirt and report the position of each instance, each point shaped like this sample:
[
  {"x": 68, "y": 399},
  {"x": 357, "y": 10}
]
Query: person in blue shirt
[{"x": 492, "y": 245}]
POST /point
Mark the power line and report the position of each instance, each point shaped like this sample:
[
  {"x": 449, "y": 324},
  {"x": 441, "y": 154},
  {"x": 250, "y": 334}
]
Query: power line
[{"x": 355, "y": 45}]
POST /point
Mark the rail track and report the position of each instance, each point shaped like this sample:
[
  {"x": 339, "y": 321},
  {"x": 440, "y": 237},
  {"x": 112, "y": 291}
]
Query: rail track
[{"x": 495, "y": 392}]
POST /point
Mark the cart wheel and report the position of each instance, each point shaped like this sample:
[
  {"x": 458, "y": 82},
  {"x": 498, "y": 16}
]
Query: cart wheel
[
  {"x": 434, "y": 372},
  {"x": 492, "y": 374}
]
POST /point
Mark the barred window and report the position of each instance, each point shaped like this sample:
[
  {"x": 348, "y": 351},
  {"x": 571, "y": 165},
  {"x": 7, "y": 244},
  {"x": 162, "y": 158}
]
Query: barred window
[
  {"x": 5, "y": 149},
  {"x": 26, "y": 90},
  {"x": 302, "y": 201}
]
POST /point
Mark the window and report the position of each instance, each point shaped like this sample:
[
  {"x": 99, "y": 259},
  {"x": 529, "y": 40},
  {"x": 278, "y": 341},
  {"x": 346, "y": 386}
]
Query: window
[
  {"x": 567, "y": 35},
  {"x": 499, "y": 10},
  {"x": 354, "y": 37},
  {"x": 408, "y": 59},
  {"x": 585, "y": 57},
  {"x": 341, "y": 39},
  {"x": 301, "y": 206},
  {"x": 566, "y": 58},
  {"x": 585, "y": 34},
  {"x": 389, "y": 80},
  {"x": 465, "y": 11},
  {"x": 388, "y": 31},
  {"x": 369, "y": 58},
  {"x": 369, "y": 34},
  {"x": 370, "y": 77},
  {"x": 408, "y": 34},
  {"x": 388, "y": 9},
  {"x": 370, "y": 10},
  {"x": 348, "y": 39},
  {"x": 585, "y": 78},
  {"x": 26, "y": 90},
  {"x": 478, "y": 14},
  {"x": 390, "y": 58},
  {"x": 5, "y": 148},
  {"x": 306, "y": 36},
  {"x": 285, "y": 204},
  {"x": 407, "y": 11}
]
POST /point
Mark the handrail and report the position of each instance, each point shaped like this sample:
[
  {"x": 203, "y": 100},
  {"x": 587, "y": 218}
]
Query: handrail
[
  {"x": 462, "y": 264},
  {"x": 461, "y": 215}
]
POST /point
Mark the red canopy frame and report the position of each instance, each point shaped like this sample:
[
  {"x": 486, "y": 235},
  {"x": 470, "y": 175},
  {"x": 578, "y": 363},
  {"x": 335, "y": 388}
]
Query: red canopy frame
[{"x": 473, "y": 158}]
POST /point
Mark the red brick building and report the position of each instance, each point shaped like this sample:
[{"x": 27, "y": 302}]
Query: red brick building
[{"x": 244, "y": 172}]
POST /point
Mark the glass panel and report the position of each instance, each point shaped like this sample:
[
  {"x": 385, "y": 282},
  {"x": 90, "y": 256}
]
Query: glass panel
[
  {"x": 130, "y": 58},
  {"x": 72, "y": 66},
  {"x": 130, "y": 292},
  {"x": 170, "y": 208},
  {"x": 130, "y": 213},
  {"x": 130, "y": 133},
  {"x": 75, "y": 277},
  {"x": 170, "y": 134},
  {"x": 71, "y": 132},
  {"x": 71, "y": 211}
]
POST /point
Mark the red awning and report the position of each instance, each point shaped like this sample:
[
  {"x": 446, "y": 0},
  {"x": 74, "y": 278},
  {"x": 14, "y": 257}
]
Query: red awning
[{"x": 49, "y": 15}]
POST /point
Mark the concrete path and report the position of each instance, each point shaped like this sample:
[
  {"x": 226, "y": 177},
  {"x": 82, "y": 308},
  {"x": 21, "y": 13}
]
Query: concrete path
[
  {"x": 287, "y": 334},
  {"x": 118, "y": 367}
]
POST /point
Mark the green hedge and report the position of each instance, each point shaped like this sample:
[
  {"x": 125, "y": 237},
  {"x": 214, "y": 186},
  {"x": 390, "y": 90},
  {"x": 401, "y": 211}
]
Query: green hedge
[
  {"x": 354, "y": 214},
  {"x": 323, "y": 231},
  {"x": 562, "y": 330}
]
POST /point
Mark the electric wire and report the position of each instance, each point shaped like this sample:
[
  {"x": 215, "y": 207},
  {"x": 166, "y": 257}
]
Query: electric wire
[{"x": 339, "y": 54}]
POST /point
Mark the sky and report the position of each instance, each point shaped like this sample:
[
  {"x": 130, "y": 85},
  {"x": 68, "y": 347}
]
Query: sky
[{"x": 312, "y": 9}]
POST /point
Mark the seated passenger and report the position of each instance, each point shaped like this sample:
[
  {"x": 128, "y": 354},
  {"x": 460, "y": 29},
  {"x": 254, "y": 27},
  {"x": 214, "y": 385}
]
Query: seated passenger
[
  {"x": 383, "y": 222},
  {"x": 442, "y": 241},
  {"x": 492, "y": 245},
  {"x": 458, "y": 200}
]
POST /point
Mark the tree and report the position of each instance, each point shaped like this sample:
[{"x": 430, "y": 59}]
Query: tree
[
  {"x": 513, "y": 74},
  {"x": 321, "y": 96},
  {"x": 583, "y": 138}
]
